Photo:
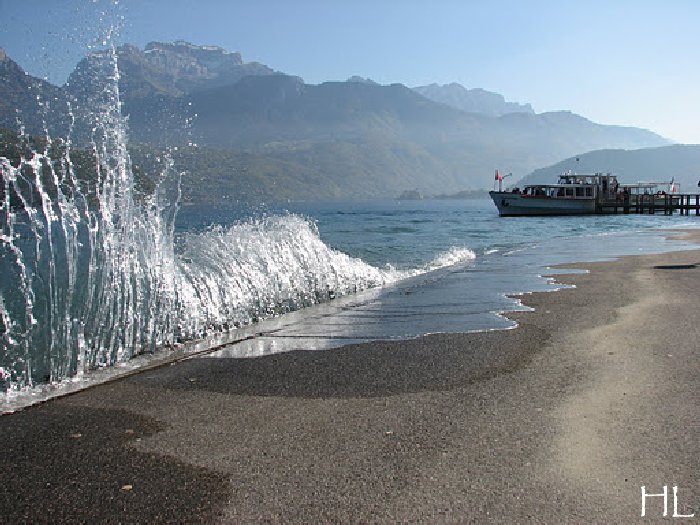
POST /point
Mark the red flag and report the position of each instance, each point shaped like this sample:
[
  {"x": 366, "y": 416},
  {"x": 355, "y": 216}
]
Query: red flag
[{"x": 498, "y": 176}]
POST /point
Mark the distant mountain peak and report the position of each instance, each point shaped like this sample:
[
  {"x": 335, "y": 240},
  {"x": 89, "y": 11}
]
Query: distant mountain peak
[
  {"x": 362, "y": 80},
  {"x": 476, "y": 100},
  {"x": 36, "y": 102},
  {"x": 200, "y": 52},
  {"x": 180, "y": 45}
]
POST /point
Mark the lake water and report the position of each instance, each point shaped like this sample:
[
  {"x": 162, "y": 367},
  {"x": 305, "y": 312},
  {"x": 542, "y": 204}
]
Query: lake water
[{"x": 454, "y": 263}]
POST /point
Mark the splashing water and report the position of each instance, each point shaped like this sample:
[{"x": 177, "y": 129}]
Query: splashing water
[
  {"x": 265, "y": 267},
  {"x": 84, "y": 286},
  {"x": 93, "y": 273}
]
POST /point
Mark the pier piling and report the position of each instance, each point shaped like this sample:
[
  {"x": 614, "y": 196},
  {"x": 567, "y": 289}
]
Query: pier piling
[{"x": 667, "y": 203}]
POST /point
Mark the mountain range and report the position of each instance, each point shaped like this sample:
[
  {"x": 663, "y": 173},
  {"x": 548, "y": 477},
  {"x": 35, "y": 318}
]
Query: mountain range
[
  {"x": 680, "y": 162},
  {"x": 278, "y": 137}
]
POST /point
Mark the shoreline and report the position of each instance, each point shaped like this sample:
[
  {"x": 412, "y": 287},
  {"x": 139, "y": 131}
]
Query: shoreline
[
  {"x": 271, "y": 335},
  {"x": 561, "y": 419}
]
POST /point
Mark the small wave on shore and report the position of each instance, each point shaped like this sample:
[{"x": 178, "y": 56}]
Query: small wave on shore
[
  {"x": 454, "y": 255},
  {"x": 265, "y": 267}
]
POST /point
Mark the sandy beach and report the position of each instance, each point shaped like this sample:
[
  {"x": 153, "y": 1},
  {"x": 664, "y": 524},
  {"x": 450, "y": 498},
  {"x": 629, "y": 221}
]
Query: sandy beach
[{"x": 563, "y": 419}]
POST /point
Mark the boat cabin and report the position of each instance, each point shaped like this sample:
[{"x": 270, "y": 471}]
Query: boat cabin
[{"x": 573, "y": 186}]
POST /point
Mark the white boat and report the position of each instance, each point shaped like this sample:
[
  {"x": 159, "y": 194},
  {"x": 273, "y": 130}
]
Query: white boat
[{"x": 573, "y": 194}]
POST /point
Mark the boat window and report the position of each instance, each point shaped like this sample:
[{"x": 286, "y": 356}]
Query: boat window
[
  {"x": 560, "y": 192},
  {"x": 579, "y": 192},
  {"x": 569, "y": 192},
  {"x": 589, "y": 192}
]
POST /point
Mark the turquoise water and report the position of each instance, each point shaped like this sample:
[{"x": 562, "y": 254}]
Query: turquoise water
[
  {"x": 409, "y": 234},
  {"x": 457, "y": 262}
]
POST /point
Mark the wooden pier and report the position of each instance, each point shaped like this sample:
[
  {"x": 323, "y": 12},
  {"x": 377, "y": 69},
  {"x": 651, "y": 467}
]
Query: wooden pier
[{"x": 666, "y": 204}]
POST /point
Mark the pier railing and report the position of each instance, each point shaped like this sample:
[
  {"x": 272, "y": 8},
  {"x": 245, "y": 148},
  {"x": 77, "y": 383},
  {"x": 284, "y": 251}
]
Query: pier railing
[{"x": 665, "y": 203}]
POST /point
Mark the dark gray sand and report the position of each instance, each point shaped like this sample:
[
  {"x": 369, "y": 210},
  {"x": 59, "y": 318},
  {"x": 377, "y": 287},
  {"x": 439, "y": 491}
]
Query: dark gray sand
[{"x": 560, "y": 420}]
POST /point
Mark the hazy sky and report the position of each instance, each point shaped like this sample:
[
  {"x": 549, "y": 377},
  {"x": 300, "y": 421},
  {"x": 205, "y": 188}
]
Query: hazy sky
[{"x": 628, "y": 62}]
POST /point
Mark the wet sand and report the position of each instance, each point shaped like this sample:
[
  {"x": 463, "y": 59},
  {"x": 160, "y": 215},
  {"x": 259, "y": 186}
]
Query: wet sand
[{"x": 560, "y": 420}]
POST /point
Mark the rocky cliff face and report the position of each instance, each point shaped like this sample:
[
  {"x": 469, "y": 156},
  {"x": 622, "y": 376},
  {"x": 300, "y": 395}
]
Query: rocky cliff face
[
  {"x": 171, "y": 69},
  {"x": 191, "y": 67}
]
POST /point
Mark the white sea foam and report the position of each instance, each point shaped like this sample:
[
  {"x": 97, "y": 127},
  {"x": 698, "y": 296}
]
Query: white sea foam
[
  {"x": 260, "y": 268},
  {"x": 265, "y": 267},
  {"x": 454, "y": 255}
]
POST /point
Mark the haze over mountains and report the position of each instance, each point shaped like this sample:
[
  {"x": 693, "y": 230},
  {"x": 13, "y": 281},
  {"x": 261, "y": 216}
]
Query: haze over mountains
[
  {"x": 475, "y": 100},
  {"x": 264, "y": 132},
  {"x": 680, "y": 162}
]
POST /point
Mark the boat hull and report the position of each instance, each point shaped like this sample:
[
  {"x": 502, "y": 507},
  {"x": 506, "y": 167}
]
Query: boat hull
[{"x": 515, "y": 204}]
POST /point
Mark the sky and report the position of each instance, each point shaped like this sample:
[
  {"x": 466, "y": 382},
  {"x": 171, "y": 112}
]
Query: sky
[{"x": 625, "y": 62}]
